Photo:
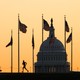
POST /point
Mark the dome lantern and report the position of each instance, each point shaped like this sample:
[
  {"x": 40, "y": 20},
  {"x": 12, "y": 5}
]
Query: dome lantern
[{"x": 52, "y": 30}]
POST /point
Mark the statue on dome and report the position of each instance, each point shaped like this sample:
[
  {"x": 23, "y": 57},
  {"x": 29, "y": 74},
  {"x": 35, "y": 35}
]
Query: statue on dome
[{"x": 51, "y": 33}]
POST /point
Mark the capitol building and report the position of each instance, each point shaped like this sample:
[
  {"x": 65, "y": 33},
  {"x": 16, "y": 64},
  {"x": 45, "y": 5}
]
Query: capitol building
[{"x": 52, "y": 57}]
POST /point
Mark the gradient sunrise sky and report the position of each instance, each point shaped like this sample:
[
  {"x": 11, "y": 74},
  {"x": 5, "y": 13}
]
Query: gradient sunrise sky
[{"x": 31, "y": 14}]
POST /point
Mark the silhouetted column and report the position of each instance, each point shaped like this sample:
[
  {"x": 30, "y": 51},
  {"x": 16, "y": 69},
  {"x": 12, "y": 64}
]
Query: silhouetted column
[{"x": 18, "y": 47}]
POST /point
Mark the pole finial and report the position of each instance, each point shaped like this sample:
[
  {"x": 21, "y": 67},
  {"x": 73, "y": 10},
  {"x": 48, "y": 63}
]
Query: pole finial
[
  {"x": 65, "y": 17},
  {"x": 18, "y": 15},
  {"x": 32, "y": 30},
  {"x": 42, "y": 16}
]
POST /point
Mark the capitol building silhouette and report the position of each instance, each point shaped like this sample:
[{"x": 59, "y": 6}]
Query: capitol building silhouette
[{"x": 52, "y": 56}]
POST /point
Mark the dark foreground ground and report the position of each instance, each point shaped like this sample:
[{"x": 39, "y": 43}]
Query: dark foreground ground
[{"x": 40, "y": 76}]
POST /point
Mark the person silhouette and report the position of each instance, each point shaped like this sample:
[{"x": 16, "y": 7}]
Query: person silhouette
[{"x": 24, "y": 66}]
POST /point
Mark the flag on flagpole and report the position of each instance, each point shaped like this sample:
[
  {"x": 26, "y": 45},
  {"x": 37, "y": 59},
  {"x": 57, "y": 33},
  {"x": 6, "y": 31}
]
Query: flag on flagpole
[
  {"x": 66, "y": 26},
  {"x": 69, "y": 38},
  {"x": 10, "y": 43},
  {"x": 22, "y": 27},
  {"x": 33, "y": 39},
  {"x": 45, "y": 25}
]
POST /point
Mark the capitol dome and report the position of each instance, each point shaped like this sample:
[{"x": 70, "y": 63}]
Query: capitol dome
[
  {"x": 55, "y": 45},
  {"x": 52, "y": 56}
]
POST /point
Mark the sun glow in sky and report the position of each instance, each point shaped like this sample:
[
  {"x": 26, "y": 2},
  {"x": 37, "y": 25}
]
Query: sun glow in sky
[{"x": 31, "y": 14}]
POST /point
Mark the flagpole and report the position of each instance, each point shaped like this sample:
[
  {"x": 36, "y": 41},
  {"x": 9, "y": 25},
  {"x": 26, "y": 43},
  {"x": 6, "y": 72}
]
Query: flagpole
[
  {"x": 18, "y": 47},
  {"x": 11, "y": 53},
  {"x": 42, "y": 42},
  {"x": 42, "y": 28},
  {"x": 72, "y": 52},
  {"x": 33, "y": 50},
  {"x": 33, "y": 59},
  {"x": 64, "y": 33}
]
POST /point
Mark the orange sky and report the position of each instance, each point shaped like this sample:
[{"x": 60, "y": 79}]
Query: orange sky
[{"x": 31, "y": 14}]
